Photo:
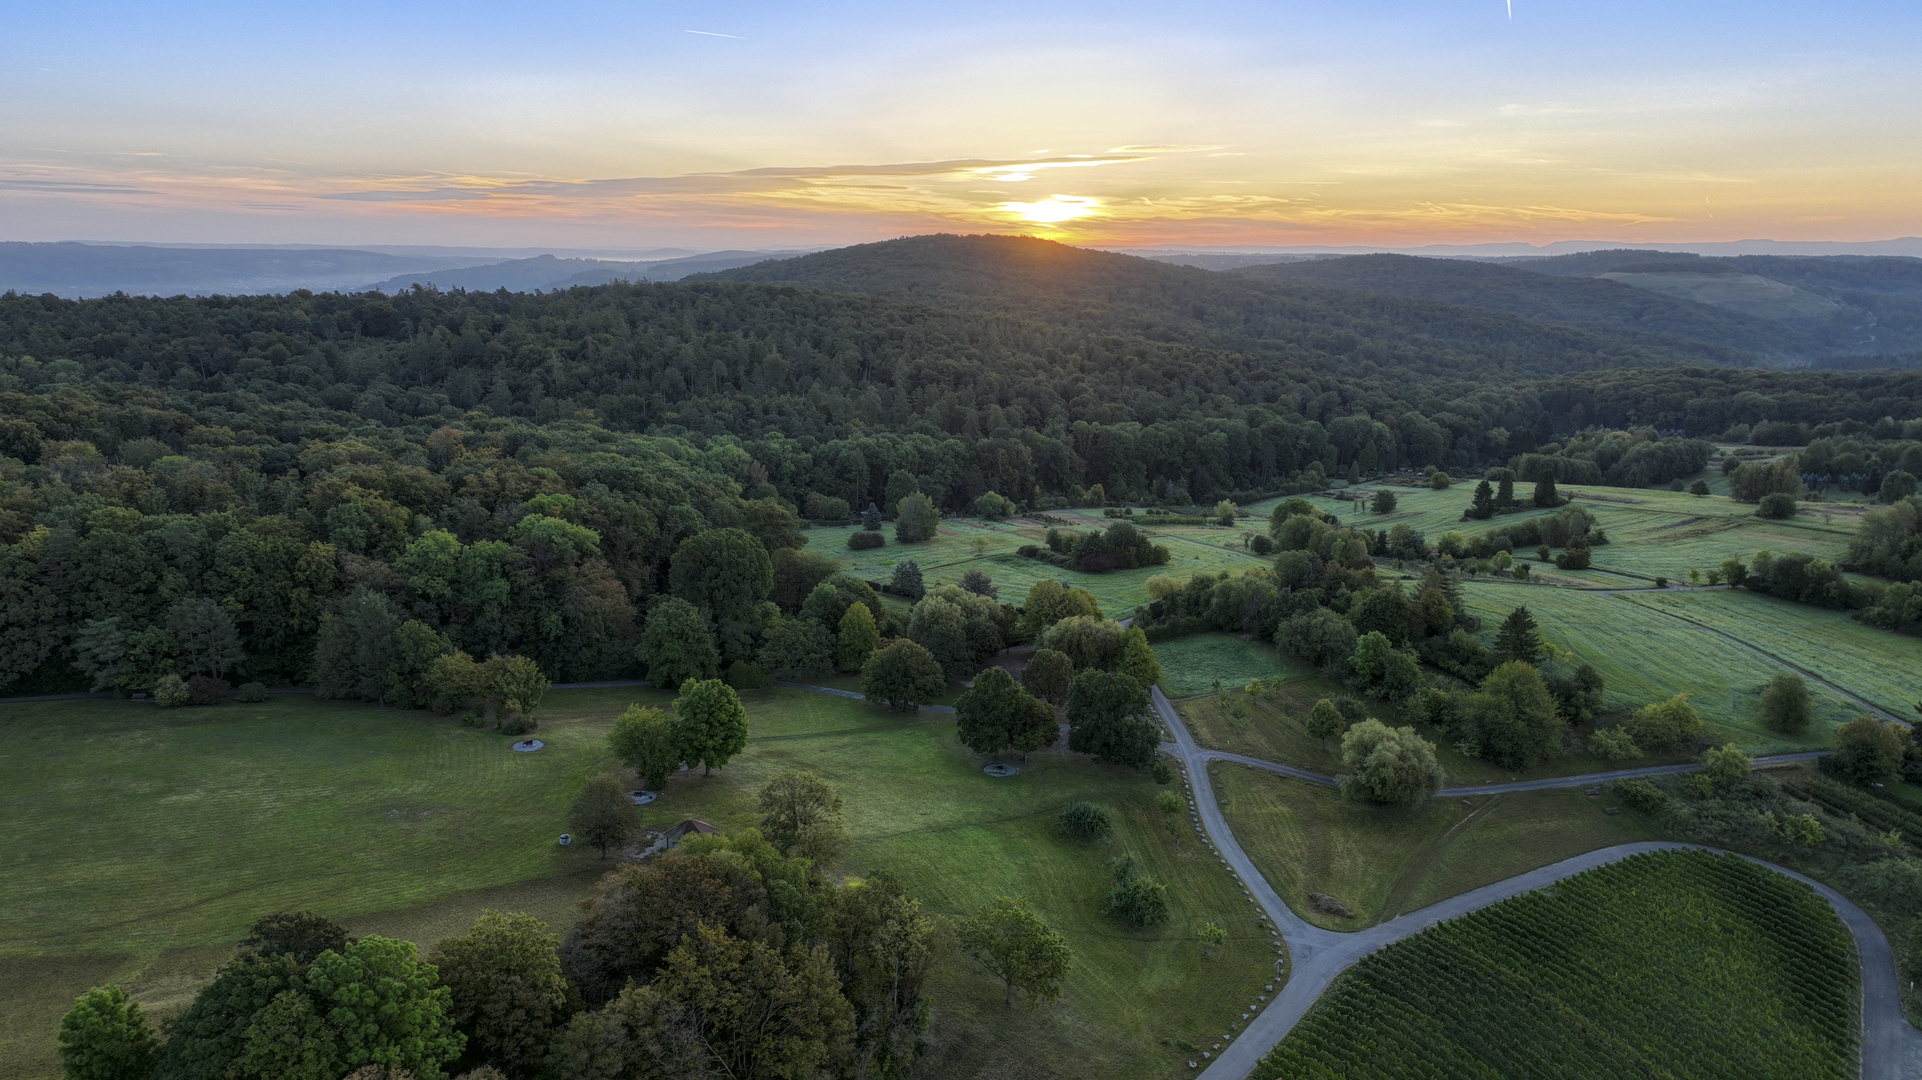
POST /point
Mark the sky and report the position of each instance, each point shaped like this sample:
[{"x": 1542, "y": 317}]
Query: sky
[{"x": 730, "y": 124}]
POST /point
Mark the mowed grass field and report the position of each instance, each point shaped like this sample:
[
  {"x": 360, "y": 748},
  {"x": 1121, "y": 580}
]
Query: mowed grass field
[
  {"x": 1645, "y": 655},
  {"x": 1384, "y": 861},
  {"x": 143, "y": 842}
]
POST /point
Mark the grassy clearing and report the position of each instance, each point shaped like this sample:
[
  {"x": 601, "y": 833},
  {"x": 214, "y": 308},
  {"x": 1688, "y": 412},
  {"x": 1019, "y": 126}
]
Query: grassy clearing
[
  {"x": 1195, "y": 664},
  {"x": 1645, "y": 655},
  {"x": 1877, "y": 665},
  {"x": 1675, "y": 964},
  {"x": 146, "y": 841},
  {"x": 1384, "y": 861}
]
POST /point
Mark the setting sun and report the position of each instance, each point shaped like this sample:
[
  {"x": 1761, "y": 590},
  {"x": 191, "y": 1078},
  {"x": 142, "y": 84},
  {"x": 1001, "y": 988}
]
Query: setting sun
[{"x": 1054, "y": 209}]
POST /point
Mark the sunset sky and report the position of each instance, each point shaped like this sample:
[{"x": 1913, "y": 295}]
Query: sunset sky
[{"x": 589, "y": 124}]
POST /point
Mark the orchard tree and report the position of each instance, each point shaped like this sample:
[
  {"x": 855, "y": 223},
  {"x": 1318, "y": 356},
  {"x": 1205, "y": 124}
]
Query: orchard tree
[
  {"x": 710, "y": 726},
  {"x": 1105, "y": 719},
  {"x": 801, "y": 817},
  {"x": 643, "y": 737},
  {"x": 1388, "y": 765},
  {"x": 903, "y": 676},
  {"x": 505, "y": 988},
  {"x": 1012, "y": 942},
  {"x": 105, "y": 1036},
  {"x": 997, "y": 715},
  {"x": 603, "y": 815},
  {"x": 677, "y": 645}
]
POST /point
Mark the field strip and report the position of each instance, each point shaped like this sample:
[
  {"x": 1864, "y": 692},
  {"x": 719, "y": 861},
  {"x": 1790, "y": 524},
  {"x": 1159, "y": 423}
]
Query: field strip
[{"x": 1318, "y": 956}]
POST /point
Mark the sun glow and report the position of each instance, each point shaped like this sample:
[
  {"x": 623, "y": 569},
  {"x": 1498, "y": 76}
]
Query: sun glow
[{"x": 1054, "y": 209}]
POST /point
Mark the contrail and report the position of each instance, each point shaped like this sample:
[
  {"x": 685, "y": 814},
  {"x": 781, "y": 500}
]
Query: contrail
[
  {"x": 1511, "y": 10},
  {"x": 737, "y": 37}
]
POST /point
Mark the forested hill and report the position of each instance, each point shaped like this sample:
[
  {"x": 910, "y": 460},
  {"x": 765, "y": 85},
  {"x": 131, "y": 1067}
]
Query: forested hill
[
  {"x": 1108, "y": 293},
  {"x": 1596, "y": 304}
]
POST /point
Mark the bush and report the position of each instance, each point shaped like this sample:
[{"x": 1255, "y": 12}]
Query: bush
[
  {"x": 1613, "y": 744},
  {"x": 1575, "y": 558},
  {"x": 518, "y": 724},
  {"x": 253, "y": 693},
  {"x": 170, "y": 692},
  {"x": 865, "y": 541},
  {"x": 1136, "y": 897},
  {"x": 821, "y": 507},
  {"x": 747, "y": 675},
  {"x": 1085, "y": 821},
  {"x": 1638, "y": 794},
  {"x": 1778, "y": 505},
  {"x": 204, "y": 690},
  {"x": 1261, "y": 545}
]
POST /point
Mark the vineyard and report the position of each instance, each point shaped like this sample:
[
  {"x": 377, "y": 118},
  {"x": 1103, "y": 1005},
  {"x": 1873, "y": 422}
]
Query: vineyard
[
  {"x": 1883, "y": 815},
  {"x": 1674, "y": 964}
]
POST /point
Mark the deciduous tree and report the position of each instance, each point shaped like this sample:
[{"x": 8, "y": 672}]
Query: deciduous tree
[
  {"x": 710, "y": 726},
  {"x": 1388, "y": 765},
  {"x": 677, "y": 645},
  {"x": 801, "y": 817},
  {"x": 903, "y": 676},
  {"x": 602, "y": 814},
  {"x": 1008, "y": 939},
  {"x": 643, "y": 737},
  {"x": 997, "y": 715},
  {"x": 105, "y": 1036},
  {"x": 506, "y": 992},
  {"x": 1105, "y": 719}
]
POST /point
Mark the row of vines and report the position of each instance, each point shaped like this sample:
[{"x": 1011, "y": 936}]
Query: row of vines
[{"x": 1670, "y": 965}]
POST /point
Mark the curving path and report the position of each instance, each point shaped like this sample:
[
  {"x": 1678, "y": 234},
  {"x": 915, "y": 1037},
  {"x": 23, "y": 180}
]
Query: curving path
[{"x": 1891, "y": 1049}]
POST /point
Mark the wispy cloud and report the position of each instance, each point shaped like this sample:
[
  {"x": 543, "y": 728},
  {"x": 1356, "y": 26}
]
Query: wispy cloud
[{"x": 74, "y": 187}]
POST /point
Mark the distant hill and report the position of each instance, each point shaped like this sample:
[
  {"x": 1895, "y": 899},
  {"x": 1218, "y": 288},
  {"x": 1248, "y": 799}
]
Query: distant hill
[
  {"x": 1580, "y": 301},
  {"x": 81, "y": 270},
  {"x": 548, "y": 272},
  {"x": 1092, "y": 290}
]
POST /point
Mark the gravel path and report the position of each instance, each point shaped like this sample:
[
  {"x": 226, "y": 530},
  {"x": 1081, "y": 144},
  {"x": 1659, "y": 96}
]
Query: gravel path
[{"x": 1891, "y": 1049}]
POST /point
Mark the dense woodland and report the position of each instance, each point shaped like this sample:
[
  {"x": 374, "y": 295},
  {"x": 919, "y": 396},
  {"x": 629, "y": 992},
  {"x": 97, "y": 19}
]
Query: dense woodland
[{"x": 515, "y": 473}]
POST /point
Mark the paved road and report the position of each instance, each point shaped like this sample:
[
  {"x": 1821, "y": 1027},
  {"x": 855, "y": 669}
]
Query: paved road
[{"x": 1891, "y": 1049}]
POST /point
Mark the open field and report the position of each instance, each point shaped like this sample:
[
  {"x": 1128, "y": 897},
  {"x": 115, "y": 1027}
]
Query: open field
[
  {"x": 1383, "y": 861},
  {"x": 1194, "y": 664},
  {"x": 145, "y": 841},
  {"x": 1671, "y": 964},
  {"x": 951, "y": 553},
  {"x": 1645, "y": 655}
]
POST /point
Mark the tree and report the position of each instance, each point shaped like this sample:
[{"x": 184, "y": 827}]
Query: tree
[
  {"x": 290, "y": 1039},
  {"x": 355, "y": 647},
  {"x": 677, "y": 645},
  {"x": 710, "y": 726},
  {"x": 857, "y": 637},
  {"x": 1518, "y": 638},
  {"x": 1664, "y": 724},
  {"x": 1047, "y": 675},
  {"x": 1614, "y": 744},
  {"x": 903, "y": 676},
  {"x": 1048, "y": 603},
  {"x": 993, "y": 506},
  {"x": 513, "y": 686},
  {"x": 207, "y": 1038},
  {"x": 1088, "y": 642},
  {"x": 996, "y": 715},
  {"x": 302, "y": 935},
  {"x": 915, "y": 519},
  {"x": 871, "y": 518},
  {"x": 1138, "y": 660},
  {"x": 208, "y": 641},
  {"x": 907, "y": 581},
  {"x": 505, "y": 988},
  {"x": 1698, "y": 488},
  {"x": 1136, "y": 897},
  {"x": 726, "y": 572},
  {"x": 1008, "y": 939},
  {"x": 980, "y": 584},
  {"x": 797, "y": 574},
  {"x": 602, "y": 814},
  {"x": 1779, "y": 505},
  {"x": 774, "y": 525},
  {"x": 801, "y": 817},
  {"x": 1513, "y": 719},
  {"x": 1383, "y": 502},
  {"x": 1482, "y": 506},
  {"x": 1505, "y": 489},
  {"x": 1388, "y": 765},
  {"x": 386, "y": 1007},
  {"x": 105, "y": 1036},
  {"x": 757, "y": 1014},
  {"x": 1105, "y": 719},
  {"x": 797, "y": 646},
  {"x": 1545, "y": 493},
  {"x": 1896, "y": 486},
  {"x": 1786, "y": 706},
  {"x": 1325, "y": 721},
  {"x": 643, "y": 737},
  {"x": 1211, "y": 936},
  {"x": 1867, "y": 751},
  {"x": 1725, "y": 764}
]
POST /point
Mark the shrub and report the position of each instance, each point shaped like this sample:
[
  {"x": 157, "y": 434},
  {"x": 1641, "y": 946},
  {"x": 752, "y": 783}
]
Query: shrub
[
  {"x": 747, "y": 675},
  {"x": 1575, "y": 558},
  {"x": 205, "y": 690},
  {"x": 253, "y": 693},
  {"x": 1136, "y": 897},
  {"x": 1777, "y": 505},
  {"x": 518, "y": 724},
  {"x": 1440, "y": 481},
  {"x": 1613, "y": 744},
  {"x": 1785, "y": 704},
  {"x": 864, "y": 540},
  {"x": 1261, "y": 545},
  {"x": 170, "y": 692},
  {"x": 1085, "y": 821},
  {"x": 821, "y": 507},
  {"x": 1638, "y": 793},
  {"x": 1162, "y": 773}
]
